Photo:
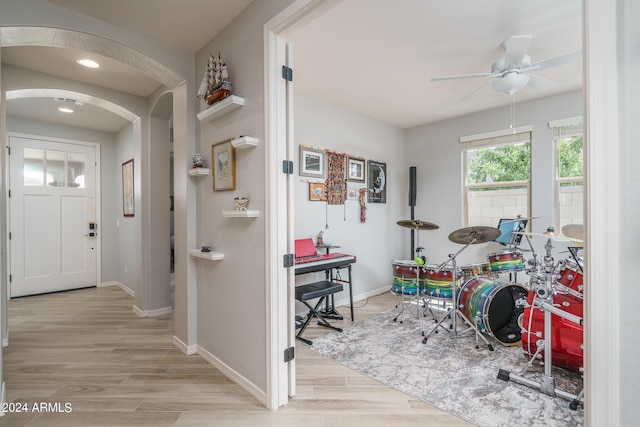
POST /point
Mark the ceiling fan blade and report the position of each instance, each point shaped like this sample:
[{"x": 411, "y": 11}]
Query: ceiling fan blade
[
  {"x": 516, "y": 48},
  {"x": 462, "y": 76},
  {"x": 540, "y": 83},
  {"x": 469, "y": 95},
  {"x": 555, "y": 61}
]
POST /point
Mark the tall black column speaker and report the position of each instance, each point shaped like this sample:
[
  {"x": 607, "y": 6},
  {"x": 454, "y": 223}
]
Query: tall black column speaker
[{"x": 413, "y": 189}]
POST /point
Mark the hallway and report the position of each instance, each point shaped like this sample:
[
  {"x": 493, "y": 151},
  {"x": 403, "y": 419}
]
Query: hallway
[{"x": 93, "y": 362}]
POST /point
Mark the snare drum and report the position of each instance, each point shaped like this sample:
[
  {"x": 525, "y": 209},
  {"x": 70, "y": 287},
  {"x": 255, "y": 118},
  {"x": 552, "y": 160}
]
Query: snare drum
[
  {"x": 437, "y": 282},
  {"x": 405, "y": 277},
  {"x": 494, "y": 307},
  {"x": 478, "y": 269},
  {"x": 572, "y": 278},
  {"x": 507, "y": 260},
  {"x": 566, "y": 336}
]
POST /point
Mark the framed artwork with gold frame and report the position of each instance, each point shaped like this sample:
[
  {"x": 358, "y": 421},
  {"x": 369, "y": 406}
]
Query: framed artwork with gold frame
[{"x": 224, "y": 165}]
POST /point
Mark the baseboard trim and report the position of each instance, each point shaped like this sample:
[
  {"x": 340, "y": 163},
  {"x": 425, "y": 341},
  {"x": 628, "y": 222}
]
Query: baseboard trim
[
  {"x": 152, "y": 313},
  {"x": 2, "y": 397},
  {"x": 233, "y": 375},
  {"x": 186, "y": 349},
  {"x": 120, "y": 285}
]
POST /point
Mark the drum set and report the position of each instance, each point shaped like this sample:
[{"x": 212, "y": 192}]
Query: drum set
[{"x": 544, "y": 316}]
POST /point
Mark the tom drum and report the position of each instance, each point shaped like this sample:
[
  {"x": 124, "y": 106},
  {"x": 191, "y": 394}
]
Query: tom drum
[
  {"x": 507, "y": 260},
  {"x": 408, "y": 277}
]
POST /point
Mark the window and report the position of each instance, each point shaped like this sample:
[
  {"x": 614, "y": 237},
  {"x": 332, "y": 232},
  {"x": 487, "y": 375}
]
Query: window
[
  {"x": 569, "y": 187},
  {"x": 497, "y": 176}
]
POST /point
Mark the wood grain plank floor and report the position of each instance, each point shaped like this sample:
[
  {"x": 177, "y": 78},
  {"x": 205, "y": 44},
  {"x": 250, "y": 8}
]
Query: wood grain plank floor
[{"x": 86, "y": 349}]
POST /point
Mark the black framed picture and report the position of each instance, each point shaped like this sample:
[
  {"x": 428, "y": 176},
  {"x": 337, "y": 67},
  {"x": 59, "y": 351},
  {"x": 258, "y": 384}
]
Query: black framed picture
[
  {"x": 355, "y": 169},
  {"x": 376, "y": 182}
]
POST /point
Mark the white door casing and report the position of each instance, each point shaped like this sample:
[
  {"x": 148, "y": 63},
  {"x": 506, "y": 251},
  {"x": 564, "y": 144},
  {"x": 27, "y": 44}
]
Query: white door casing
[{"x": 53, "y": 200}]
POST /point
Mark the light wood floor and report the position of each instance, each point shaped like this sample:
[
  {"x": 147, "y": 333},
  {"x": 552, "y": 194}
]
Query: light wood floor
[{"x": 87, "y": 349}]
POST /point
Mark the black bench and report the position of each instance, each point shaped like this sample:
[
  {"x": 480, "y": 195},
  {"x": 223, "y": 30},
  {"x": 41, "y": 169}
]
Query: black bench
[{"x": 320, "y": 290}]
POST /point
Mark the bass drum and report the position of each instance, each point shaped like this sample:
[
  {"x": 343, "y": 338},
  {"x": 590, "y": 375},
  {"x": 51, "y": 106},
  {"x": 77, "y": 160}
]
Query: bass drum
[
  {"x": 494, "y": 307},
  {"x": 566, "y": 336}
]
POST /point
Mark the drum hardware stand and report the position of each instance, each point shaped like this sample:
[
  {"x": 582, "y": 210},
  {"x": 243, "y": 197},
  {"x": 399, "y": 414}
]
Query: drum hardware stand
[
  {"x": 545, "y": 293},
  {"x": 455, "y": 312}
]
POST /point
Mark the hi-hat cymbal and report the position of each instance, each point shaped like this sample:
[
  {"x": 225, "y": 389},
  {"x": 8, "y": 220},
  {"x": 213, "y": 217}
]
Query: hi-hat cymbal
[
  {"x": 480, "y": 233},
  {"x": 417, "y": 224},
  {"x": 574, "y": 231}
]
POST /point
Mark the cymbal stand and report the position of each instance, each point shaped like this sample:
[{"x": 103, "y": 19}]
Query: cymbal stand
[
  {"x": 456, "y": 306},
  {"x": 543, "y": 300}
]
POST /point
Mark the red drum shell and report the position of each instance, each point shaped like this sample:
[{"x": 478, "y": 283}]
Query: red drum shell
[
  {"x": 566, "y": 336},
  {"x": 571, "y": 276}
]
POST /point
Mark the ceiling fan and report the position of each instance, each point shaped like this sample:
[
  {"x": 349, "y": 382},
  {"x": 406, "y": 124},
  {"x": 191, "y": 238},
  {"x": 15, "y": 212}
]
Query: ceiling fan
[{"x": 512, "y": 69}]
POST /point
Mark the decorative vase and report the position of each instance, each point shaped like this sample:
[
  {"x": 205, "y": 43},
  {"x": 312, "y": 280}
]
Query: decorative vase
[{"x": 241, "y": 203}]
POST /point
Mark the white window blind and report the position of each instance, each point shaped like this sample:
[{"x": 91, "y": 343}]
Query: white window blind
[
  {"x": 497, "y": 138},
  {"x": 567, "y": 128}
]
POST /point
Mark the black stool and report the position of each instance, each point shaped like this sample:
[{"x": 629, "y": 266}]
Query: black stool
[{"x": 311, "y": 291}]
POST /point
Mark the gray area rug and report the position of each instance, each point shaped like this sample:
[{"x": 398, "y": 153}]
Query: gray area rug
[{"x": 450, "y": 373}]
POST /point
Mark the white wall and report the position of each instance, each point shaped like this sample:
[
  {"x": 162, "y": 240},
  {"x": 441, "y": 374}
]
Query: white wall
[
  {"x": 108, "y": 178},
  {"x": 436, "y": 151},
  {"x": 378, "y": 241}
]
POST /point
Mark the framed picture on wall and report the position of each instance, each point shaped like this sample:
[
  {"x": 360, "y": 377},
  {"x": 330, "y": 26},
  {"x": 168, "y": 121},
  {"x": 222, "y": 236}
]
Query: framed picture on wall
[
  {"x": 355, "y": 169},
  {"x": 317, "y": 192},
  {"x": 376, "y": 182},
  {"x": 312, "y": 162},
  {"x": 128, "y": 198},
  {"x": 224, "y": 165}
]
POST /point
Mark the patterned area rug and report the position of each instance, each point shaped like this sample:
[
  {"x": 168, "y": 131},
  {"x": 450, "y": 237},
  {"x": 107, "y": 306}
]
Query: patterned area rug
[{"x": 450, "y": 373}]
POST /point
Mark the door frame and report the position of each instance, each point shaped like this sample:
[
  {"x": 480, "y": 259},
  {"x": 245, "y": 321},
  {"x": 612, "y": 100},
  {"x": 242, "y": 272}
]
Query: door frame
[{"x": 98, "y": 199}]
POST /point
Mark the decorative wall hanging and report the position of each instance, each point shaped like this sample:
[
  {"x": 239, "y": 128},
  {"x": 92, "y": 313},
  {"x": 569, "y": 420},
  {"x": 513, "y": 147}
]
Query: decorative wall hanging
[
  {"x": 317, "y": 192},
  {"x": 377, "y": 182},
  {"x": 336, "y": 184},
  {"x": 128, "y": 199},
  {"x": 363, "y": 206},
  {"x": 312, "y": 162},
  {"x": 224, "y": 165},
  {"x": 355, "y": 169}
]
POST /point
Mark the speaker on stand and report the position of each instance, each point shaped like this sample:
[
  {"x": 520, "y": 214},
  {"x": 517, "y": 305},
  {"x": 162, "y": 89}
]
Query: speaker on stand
[{"x": 413, "y": 189}]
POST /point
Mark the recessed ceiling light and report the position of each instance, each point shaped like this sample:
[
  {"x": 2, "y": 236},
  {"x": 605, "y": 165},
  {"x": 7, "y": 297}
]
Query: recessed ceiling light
[
  {"x": 65, "y": 110},
  {"x": 88, "y": 63}
]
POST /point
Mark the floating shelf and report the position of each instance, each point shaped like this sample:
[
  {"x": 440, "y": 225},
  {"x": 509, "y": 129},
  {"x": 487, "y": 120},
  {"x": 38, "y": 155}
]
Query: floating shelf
[
  {"x": 221, "y": 108},
  {"x": 211, "y": 256},
  {"x": 244, "y": 142},
  {"x": 241, "y": 214},
  {"x": 199, "y": 172}
]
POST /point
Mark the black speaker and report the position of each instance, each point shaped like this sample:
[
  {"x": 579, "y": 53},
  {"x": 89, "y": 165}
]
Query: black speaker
[{"x": 413, "y": 189}]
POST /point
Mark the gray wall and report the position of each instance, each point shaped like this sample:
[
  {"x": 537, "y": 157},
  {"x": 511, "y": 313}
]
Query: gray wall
[
  {"x": 629, "y": 93},
  {"x": 436, "y": 151},
  {"x": 379, "y": 240}
]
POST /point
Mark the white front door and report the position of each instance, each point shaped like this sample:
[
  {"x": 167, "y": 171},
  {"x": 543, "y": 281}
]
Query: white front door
[{"x": 52, "y": 206}]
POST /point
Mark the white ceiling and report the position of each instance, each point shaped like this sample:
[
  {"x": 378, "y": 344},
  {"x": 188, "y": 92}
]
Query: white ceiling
[{"x": 372, "y": 56}]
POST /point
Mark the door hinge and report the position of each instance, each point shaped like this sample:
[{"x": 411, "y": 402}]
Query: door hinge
[
  {"x": 10, "y": 277},
  {"x": 8, "y": 150},
  {"x": 287, "y": 73},
  {"x": 288, "y": 260},
  {"x": 287, "y": 167},
  {"x": 9, "y": 193},
  {"x": 9, "y": 235},
  {"x": 289, "y": 354}
]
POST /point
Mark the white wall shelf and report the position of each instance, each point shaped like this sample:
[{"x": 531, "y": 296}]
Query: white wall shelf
[
  {"x": 241, "y": 214},
  {"x": 221, "y": 108},
  {"x": 199, "y": 172},
  {"x": 244, "y": 142},
  {"x": 211, "y": 256}
]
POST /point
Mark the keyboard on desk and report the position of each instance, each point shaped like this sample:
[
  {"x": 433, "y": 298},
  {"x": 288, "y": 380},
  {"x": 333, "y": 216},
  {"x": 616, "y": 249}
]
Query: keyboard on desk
[{"x": 312, "y": 263}]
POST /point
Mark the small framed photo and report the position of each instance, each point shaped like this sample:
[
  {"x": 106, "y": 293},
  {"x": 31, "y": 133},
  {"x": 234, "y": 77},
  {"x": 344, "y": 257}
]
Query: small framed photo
[
  {"x": 312, "y": 162},
  {"x": 224, "y": 165},
  {"x": 352, "y": 193},
  {"x": 317, "y": 192},
  {"x": 355, "y": 169}
]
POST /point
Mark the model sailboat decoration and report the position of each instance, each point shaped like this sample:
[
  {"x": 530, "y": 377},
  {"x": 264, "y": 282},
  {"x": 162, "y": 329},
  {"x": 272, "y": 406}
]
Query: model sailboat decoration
[{"x": 215, "y": 85}]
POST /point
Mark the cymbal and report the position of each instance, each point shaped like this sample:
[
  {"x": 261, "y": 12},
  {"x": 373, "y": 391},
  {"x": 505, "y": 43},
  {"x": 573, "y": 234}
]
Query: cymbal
[
  {"x": 480, "y": 233},
  {"x": 574, "y": 231},
  {"x": 416, "y": 223},
  {"x": 549, "y": 234}
]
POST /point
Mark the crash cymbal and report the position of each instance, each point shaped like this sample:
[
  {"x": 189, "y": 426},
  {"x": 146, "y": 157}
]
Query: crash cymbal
[
  {"x": 480, "y": 233},
  {"x": 549, "y": 234},
  {"x": 574, "y": 231},
  {"x": 417, "y": 224}
]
